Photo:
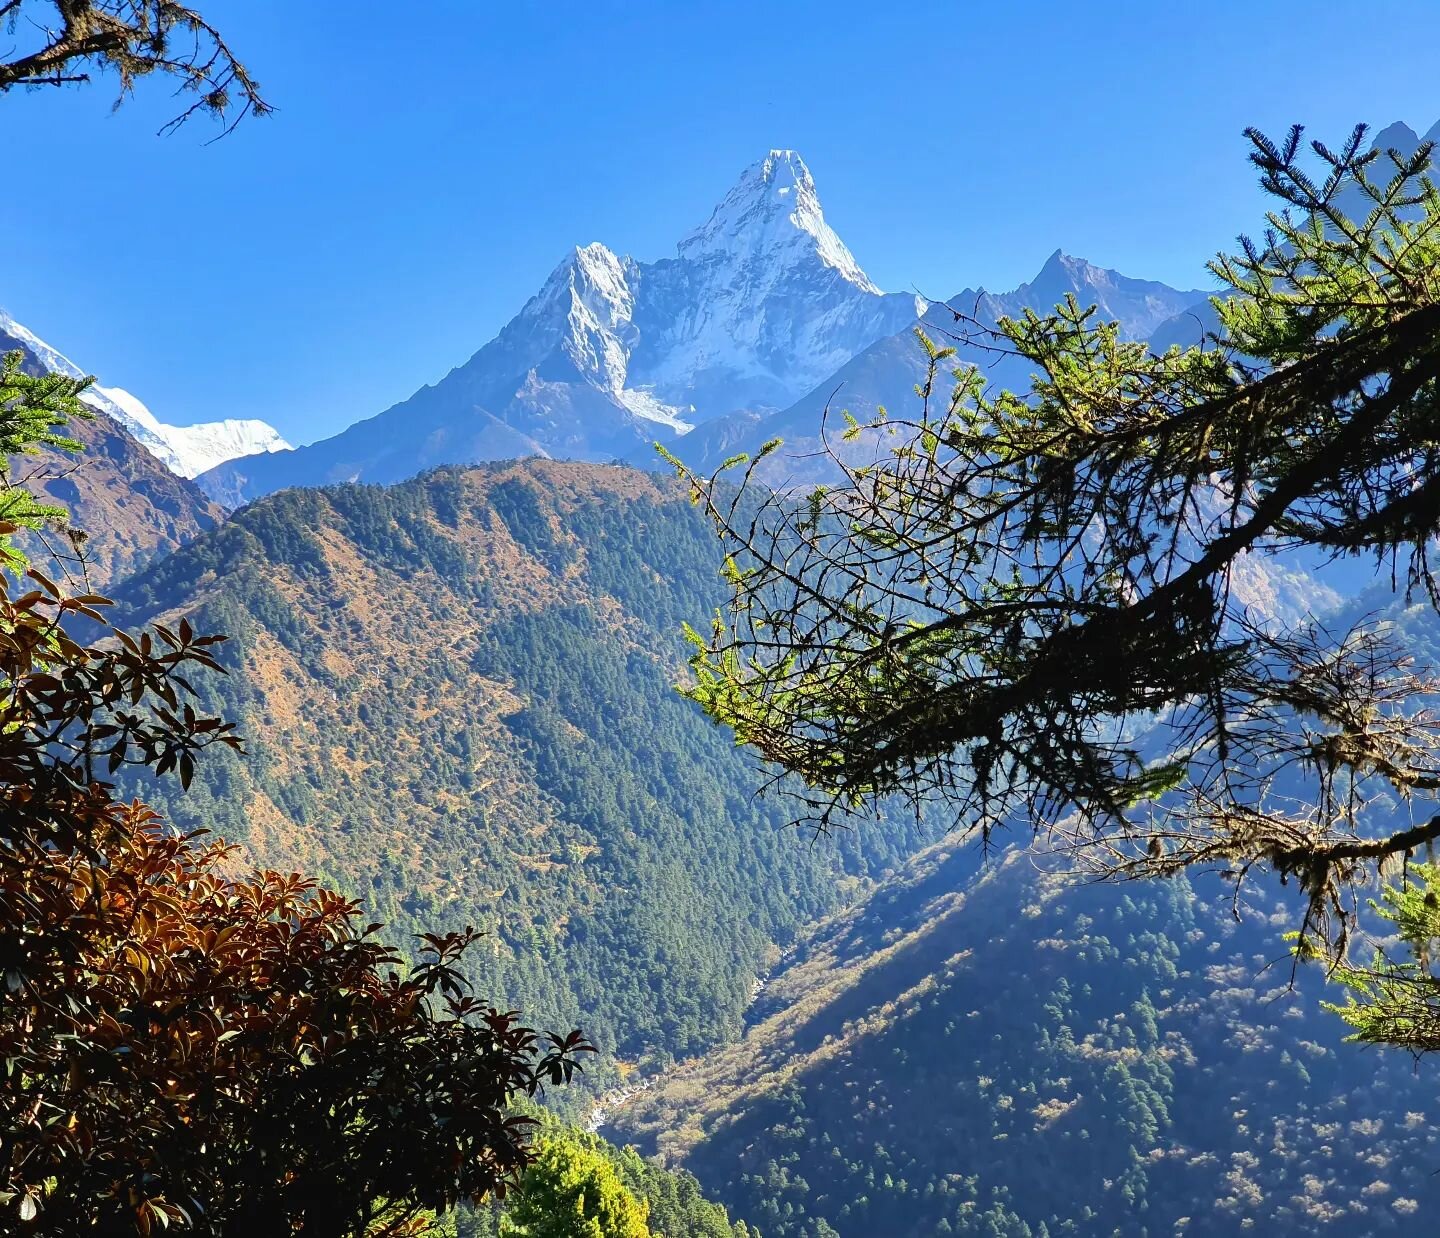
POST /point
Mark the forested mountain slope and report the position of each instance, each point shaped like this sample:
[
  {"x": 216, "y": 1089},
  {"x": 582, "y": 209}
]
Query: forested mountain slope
[
  {"x": 457, "y": 696},
  {"x": 1024, "y": 1055}
]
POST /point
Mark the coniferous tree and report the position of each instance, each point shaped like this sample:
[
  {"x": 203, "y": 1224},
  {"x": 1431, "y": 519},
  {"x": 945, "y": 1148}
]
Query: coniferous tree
[
  {"x": 1025, "y": 609},
  {"x": 34, "y": 410},
  {"x": 64, "y": 42}
]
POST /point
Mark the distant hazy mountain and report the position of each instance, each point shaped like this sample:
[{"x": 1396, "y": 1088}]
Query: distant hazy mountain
[
  {"x": 1198, "y": 323},
  {"x": 1398, "y": 137},
  {"x": 758, "y": 305},
  {"x": 185, "y": 450},
  {"x": 886, "y": 372}
]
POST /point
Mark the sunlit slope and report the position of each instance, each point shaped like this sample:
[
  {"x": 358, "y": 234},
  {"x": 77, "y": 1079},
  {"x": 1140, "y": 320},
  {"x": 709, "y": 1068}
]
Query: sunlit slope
[
  {"x": 1021, "y": 1055},
  {"x": 457, "y": 695}
]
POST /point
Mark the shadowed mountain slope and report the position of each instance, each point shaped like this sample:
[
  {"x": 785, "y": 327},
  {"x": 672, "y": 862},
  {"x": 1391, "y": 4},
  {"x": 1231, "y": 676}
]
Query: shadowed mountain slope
[
  {"x": 1019, "y": 1055},
  {"x": 129, "y": 504}
]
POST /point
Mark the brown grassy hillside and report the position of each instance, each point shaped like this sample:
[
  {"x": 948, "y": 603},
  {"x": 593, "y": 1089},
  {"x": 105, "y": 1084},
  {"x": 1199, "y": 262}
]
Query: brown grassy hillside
[
  {"x": 131, "y": 508},
  {"x": 459, "y": 704}
]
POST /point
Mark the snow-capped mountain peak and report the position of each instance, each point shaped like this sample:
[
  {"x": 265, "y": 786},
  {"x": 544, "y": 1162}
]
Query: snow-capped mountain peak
[
  {"x": 201, "y": 447},
  {"x": 774, "y": 210},
  {"x": 186, "y": 450},
  {"x": 590, "y": 294},
  {"x": 758, "y": 305},
  {"x": 588, "y": 271}
]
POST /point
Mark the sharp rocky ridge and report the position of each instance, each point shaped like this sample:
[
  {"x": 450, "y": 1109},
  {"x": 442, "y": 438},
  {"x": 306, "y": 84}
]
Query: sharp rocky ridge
[
  {"x": 186, "y": 450},
  {"x": 758, "y": 304}
]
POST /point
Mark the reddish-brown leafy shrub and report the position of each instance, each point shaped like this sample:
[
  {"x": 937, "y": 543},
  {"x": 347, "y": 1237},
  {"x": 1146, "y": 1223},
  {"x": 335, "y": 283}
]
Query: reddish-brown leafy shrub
[{"x": 185, "y": 1050}]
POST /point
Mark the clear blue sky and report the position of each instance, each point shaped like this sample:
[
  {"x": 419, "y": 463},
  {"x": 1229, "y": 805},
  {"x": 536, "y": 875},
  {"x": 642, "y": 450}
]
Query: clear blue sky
[{"x": 431, "y": 161}]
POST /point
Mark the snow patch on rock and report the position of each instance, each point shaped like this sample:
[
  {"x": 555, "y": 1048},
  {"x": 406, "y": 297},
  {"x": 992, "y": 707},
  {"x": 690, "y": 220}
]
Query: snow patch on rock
[{"x": 645, "y": 406}]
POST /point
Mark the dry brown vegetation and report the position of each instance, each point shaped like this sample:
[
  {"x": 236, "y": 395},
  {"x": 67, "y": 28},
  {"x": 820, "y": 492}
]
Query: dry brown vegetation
[{"x": 457, "y": 698}]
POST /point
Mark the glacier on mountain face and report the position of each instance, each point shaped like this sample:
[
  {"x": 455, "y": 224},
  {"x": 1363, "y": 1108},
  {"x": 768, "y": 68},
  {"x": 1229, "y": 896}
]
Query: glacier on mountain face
[
  {"x": 758, "y": 304},
  {"x": 761, "y": 302},
  {"x": 185, "y": 450}
]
